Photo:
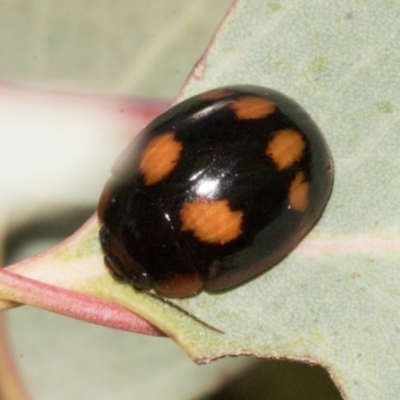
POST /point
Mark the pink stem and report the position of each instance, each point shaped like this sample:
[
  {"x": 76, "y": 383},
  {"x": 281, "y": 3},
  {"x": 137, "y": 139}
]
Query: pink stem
[{"x": 72, "y": 304}]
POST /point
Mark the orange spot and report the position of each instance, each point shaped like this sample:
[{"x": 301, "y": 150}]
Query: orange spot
[
  {"x": 253, "y": 107},
  {"x": 179, "y": 286},
  {"x": 159, "y": 157},
  {"x": 215, "y": 94},
  {"x": 211, "y": 221},
  {"x": 286, "y": 148},
  {"x": 298, "y": 193}
]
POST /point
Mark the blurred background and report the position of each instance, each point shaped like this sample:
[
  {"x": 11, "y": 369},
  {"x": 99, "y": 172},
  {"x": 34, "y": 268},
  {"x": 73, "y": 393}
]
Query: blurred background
[{"x": 142, "y": 49}]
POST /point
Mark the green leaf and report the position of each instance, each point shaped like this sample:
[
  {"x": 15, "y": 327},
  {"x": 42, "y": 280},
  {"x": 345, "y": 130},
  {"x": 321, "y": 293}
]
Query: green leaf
[{"x": 336, "y": 299}]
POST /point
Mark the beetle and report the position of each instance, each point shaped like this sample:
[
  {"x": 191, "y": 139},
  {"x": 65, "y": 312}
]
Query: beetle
[{"x": 213, "y": 192}]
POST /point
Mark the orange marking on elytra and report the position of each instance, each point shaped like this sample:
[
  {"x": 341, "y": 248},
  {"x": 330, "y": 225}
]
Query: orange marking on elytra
[
  {"x": 181, "y": 285},
  {"x": 298, "y": 192},
  {"x": 253, "y": 107},
  {"x": 159, "y": 157},
  {"x": 215, "y": 94},
  {"x": 286, "y": 148},
  {"x": 211, "y": 221}
]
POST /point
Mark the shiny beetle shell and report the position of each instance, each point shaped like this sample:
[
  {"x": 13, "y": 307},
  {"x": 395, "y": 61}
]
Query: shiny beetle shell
[{"x": 214, "y": 191}]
